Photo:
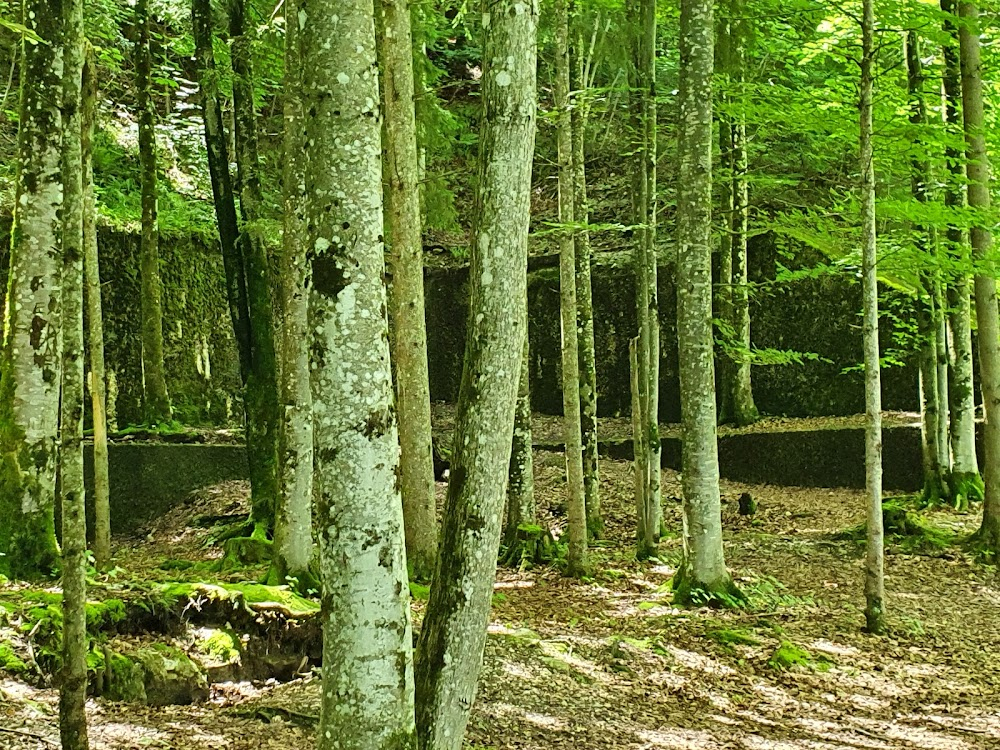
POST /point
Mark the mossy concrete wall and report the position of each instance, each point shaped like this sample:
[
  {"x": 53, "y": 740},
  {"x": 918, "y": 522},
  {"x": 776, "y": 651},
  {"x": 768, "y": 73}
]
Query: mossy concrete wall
[{"x": 814, "y": 315}]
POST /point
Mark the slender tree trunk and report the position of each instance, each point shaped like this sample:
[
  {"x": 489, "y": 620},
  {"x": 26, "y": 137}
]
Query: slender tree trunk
[
  {"x": 725, "y": 361},
  {"x": 703, "y": 575},
  {"x": 73, "y": 677},
  {"x": 967, "y": 484},
  {"x": 576, "y": 557},
  {"x": 263, "y": 419},
  {"x": 584, "y": 299},
  {"x": 30, "y": 363},
  {"x": 406, "y": 298},
  {"x": 875, "y": 609},
  {"x": 156, "y": 402},
  {"x": 95, "y": 320},
  {"x": 521, "y": 536},
  {"x": 941, "y": 360},
  {"x": 367, "y": 696},
  {"x": 293, "y": 523},
  {"x": 450, "y": 651},
  {"x": 978, "y": 170},
  {"x": 934, "y": 488}
]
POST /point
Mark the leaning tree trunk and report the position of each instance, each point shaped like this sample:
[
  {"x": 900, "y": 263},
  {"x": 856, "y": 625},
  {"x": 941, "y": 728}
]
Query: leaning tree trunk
[
  {"x": 293, "y": 544},
  {"x": 702, "y": 576},
  {"x": 874, "y": 558},
  {"x": 30, "y": 361},
  {"x": 523, "y": 536},
  {"x": 156, "y": 403},
  {"x": 966, "y": 482},
  {"x": 978, "y": 169},
  {"x": 95, "y": 319},
  {"x": 406, "y": 298},
  {"x": 585, "y": 297},
  {"x": 450, "y": 651},
  {"x": 367, "y": 695},
  {"x": 263, "y": 420},
  {"x": 576, "y": 556},
  {"x": 73, "y": 672}
]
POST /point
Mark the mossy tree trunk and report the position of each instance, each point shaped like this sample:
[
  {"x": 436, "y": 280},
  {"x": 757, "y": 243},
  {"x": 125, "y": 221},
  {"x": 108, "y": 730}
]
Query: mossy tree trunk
[
  {"x": 522, "y": 535},
  {"x": 156, "y": 402},
  {"x": 293, "y": 543},
  {"x": 95, "y": 319},
  {"x": 967, "y": 484},
  {"x": 584, "y": 294},
  {"x": 450, "y": 652},
  {"x": 30, "y": 362},
  {"x": 73, "y": 672},
  {"x": 978, "y": 170},
  {"x": 406, "y": 298},
  {"x": 247, "y": 279},
  {"x": 702, "y": 576},
  {"x": 576, "y": 556},
  {"x": 875, "y": 606},
  {"x": 367, "y": 698}
]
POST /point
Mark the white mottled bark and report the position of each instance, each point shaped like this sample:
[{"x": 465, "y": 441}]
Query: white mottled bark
[
  {"x": 450, "y": 652},
  {"x": 367, "y": 688},
  {"x": 874, "y": 555}
]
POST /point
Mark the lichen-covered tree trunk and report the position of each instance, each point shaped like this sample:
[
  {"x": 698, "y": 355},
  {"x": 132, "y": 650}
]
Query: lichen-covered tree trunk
[
  {"x": 703, "y": 575},
  {"x": 406, "y": 297},
  {"x": 585, "y": 298},
  {"x": 156, "y": 402},
  {"x": 978, "y": 170},
  {"x": 576, "y": 556},
  {"x": 261, "y": 387},
  {"x": 450, "y": 652},
  {"x": 875, "y": 609},
  {"x": 95, "y": 318},
  {"x": 966, "y": 482},
  {"x": 521, "y": 535},
  {"x": 367, "y": 693},
  {"x": 30, "y": 361},
  {"x": 73, "y": 671},
  {"x": 293, "y": 522}
]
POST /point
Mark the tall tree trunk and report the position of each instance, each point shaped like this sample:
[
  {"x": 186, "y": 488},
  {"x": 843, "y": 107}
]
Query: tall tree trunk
[
  {"x": 584, "y": 295},
  {"x": 576, "y": 556},
  {"x": 450, "y": 652},
  {"x": 406, "y": 297},
  {"x": 875, "y": 609},
  {"x": 935, "y": 482},
  {"x": 703, "y": 575},
  {"x": 30, "y": 363},
  {"x": 95, "y": 319},
  {"x": 242, "y": 283},
  {"x": 978, "y": 170},
  {"x": 263, "y": 419},
  {"x": 73, "y": 672},
  {"x": 725, "y": 362},
  {"x": 156, "y": 403},
  {"x": 967, "y": 484},
  {"x": 293, "y": 522},
  {"x": 521, "y": 535},
  {"x": 367, "y": 696}
]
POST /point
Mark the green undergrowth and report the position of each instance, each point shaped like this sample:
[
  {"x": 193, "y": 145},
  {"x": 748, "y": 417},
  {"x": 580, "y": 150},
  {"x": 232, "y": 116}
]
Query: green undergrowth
[
  {"x": 788, "y": 656},
  {"x": 728, "y": 638},
  {"x": 905, "y": 528}
]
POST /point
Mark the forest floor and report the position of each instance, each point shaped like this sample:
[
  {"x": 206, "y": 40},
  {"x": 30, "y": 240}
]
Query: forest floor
[{"x": 609, "y": 662}]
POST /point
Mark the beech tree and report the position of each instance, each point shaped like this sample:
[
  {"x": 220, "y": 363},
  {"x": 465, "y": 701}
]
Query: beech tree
[
  {"x": 453, "y": 635},
  {"x": 30, "y": 361},
  {"x": 367, "y": 696}
]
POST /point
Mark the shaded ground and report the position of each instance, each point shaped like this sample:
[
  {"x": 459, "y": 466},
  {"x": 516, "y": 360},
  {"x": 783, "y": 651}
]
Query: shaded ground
[{"x": 610, "y": 663}]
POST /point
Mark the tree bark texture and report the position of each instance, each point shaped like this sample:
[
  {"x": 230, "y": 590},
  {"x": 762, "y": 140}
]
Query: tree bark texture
[
  {"x": 156, "y": 402},
  {"x": 95, "y": 319},
  {"x": 293, "y": 543},
  {"x": 875, "y": 606},
  {"x": 978, "y": 170},
  {"x": 73, "y": 677},
  {"x": 450, "y": 651},
  {"x": 703, "y": 571},
  {"x": 367, "y": 693},
  {"x": 30, "y": 364},
  {"x": 576, "y": 556},
  {"x": 521, "y": 510},
  {"x": 406, "y": 297}
]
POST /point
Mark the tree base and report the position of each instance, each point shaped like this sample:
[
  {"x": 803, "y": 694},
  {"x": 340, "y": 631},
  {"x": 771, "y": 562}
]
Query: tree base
[
  {"x": 530, "y": 544},
  {"x": 875, "y": 617},
  {"x": 985, "y": 543},
  {"x": 721, "y": 593},
  {"x": 245, "y": 550},
  {"x": 967, "y": 487}
]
